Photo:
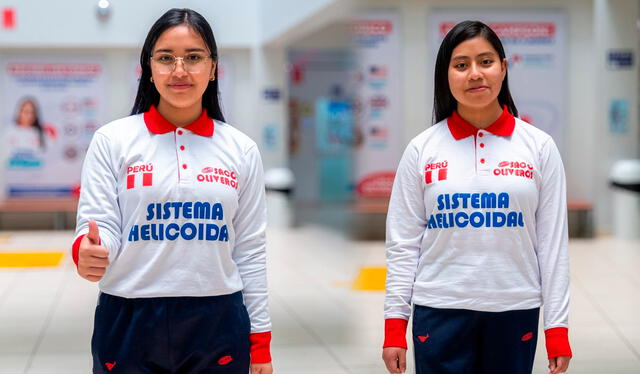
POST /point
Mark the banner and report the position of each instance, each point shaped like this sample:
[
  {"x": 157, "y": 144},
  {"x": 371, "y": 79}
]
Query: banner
[
  {"x": 378, "y": 106},
  {"x": 535, "y": 46},
  {"x": 52, "y": 107}
]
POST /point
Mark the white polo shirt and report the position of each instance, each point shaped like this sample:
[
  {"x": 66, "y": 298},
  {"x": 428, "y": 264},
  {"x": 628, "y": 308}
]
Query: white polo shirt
[
  {"x": 181, "y": 210},
  {"x": 477, "y": 220}
]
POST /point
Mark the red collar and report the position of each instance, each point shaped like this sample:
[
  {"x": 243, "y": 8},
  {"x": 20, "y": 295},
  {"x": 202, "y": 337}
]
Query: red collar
[
  {"x": 157, "y": 124},
  {"x": 460, "y": 128}
]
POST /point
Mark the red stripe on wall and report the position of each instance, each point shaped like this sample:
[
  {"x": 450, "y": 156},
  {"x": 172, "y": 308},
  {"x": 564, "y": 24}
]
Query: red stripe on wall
[
  {"x": 147, "y": 179},
  {"x": 131, "y": 181},
  {"x": 8, "y": 18}
]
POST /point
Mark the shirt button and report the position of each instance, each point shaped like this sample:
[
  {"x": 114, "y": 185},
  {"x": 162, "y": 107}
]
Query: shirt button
[
  {"x": 481, "y": 145},
  {"x": 182, "y": 147},
  {"x": 179, "y": 132},
  {"x": 480, "y": 134},
  {"x": 184, "y": 166},
  {"x": 481, "y": 161}
]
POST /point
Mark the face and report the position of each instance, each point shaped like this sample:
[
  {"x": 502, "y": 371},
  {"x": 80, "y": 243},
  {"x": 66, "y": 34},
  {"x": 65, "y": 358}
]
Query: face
[
  {"x": 476, "y": 74},
  {"x": 182, "y": 86},
  {"x": 27, "y": 115}
]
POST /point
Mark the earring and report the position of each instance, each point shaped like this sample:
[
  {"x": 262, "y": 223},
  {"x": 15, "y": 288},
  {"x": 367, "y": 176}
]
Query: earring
[
  {"x": 151, "y": 79},
  {"x": 212, "y": 79}
]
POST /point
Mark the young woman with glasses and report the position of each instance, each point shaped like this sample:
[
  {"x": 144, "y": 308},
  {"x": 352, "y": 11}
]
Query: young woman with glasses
[
  {"x": 171, "y": 221},
  {"x": 477, "y": 227}
]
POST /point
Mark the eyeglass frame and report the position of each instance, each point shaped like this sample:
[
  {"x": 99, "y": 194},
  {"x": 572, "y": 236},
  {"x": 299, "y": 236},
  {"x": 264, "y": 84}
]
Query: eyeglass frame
[{"x": 175, "y": 63}]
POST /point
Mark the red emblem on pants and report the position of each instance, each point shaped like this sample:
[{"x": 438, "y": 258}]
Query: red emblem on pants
[{"x": 224, "y": 360}]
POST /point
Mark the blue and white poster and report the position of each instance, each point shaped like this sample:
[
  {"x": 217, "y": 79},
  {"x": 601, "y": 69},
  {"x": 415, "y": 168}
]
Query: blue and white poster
[
  {"x": 52, "y": 107},
  {"x": 377, "y": 48}
]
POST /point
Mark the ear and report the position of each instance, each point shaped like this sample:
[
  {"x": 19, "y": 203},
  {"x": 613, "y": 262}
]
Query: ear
[
  {"x": 214, "y": 66},
  {"x": 503, "y": 65}
]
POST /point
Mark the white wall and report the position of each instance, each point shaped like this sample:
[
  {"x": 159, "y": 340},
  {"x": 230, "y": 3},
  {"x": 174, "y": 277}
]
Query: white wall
[
  {"x": 285, "y": 20},
  {"x": 615, "y": 28},
  {"x": 73, "y": 23}
]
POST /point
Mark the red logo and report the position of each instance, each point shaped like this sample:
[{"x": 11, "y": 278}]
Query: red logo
[
  {"x": 217, "y": 175},
  {"x": 514, "y": 168},
  {"x": 145, "y": 170},
  {"x": 423, "y": 338},
  {"x": 225, "y": 360},
  {"x": 432, "y": 168},
  {"x": 375, "y": 184},
  {"x": 513, "y": 30},
  {"x": 379, "y": 102},
  {"x": 526, "y": 337},
  {"x": 372, "y": 27},
  {"x": 110, "y": 365}
]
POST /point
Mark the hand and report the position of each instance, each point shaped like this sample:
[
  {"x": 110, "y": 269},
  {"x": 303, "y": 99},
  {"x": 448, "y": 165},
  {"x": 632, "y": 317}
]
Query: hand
[
  {"x": 261, "y": 368},
  {"x": 93, "y": 258},
  {"x": 559, "y": 365},
  {"x": 395, "y": 358}
]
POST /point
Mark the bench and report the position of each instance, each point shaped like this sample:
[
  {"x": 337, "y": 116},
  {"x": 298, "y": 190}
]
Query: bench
[{"x": 58, "y": 210}]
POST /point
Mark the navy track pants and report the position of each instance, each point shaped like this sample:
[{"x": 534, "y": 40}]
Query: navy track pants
[
  {"x": 171, "y": 335},
  {"x": 459, "y": 341}
]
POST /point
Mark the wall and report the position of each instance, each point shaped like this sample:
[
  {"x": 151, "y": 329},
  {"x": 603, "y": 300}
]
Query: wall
[
  {"x": 615, "y": 27},
  {"x": 73, "y": 23}
]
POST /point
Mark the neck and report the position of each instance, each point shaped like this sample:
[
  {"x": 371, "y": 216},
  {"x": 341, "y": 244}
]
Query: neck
[
  {"x": 180, "y": 117},
  {"x": 481, "y": 118}
]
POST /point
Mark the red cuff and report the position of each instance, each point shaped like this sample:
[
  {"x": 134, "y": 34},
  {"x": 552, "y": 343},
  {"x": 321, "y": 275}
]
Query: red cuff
[
  {"x": 75, "y": 248},
  {"x": 395, "y": 333},
  {"x": 260, "y": 351},
  {"x": 557, "y": 340}
]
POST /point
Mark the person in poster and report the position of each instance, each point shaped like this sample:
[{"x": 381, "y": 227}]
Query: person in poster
[
  {"x": 28, "y": 137},
  {"x": 477, "y": 227},
  {"x": 171, "y": 221}
]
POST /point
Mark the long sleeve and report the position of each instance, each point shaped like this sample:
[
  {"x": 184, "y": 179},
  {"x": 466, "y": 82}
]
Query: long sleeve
[
  {"x": 249, "y": 252},
  {"x": 99, "y": 196},
  {"x": 551, "y": 249},
  {"x": 406, "y": 222}
]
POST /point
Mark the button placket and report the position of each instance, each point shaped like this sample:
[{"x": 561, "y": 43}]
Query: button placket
[
  {"x": 481, "y": 152},
  {"x": 184, "y": 161}
]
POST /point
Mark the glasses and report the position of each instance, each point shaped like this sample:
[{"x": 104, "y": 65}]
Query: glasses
[{"x": 165, "y": 63}]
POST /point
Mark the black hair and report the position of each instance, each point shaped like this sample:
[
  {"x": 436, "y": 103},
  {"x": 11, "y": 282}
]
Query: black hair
[
  {"x": 147, "y": 94},
  {"x": 444, "y": 104},
  {"x": 36, "y": 122}
]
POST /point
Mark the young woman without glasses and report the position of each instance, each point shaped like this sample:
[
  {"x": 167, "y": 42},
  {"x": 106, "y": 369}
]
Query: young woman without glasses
[{"x": 477, "y": 227}]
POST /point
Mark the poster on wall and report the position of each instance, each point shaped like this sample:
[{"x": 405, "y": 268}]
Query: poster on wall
[
  {"x": 52, "y": 107},
  {"x": 535, "y": 46},
  {"x": 378, "y": 102}
]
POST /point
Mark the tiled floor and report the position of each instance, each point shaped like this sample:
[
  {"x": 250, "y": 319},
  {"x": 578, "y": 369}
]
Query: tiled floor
[{"x": 320, "y": 325}]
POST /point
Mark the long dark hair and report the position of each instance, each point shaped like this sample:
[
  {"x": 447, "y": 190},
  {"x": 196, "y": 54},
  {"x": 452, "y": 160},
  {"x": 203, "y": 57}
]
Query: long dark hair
[
  {"x": 443, "y": 101},
  {"x": 147, "y": 93},
  {"x": 36, "y": 118}
]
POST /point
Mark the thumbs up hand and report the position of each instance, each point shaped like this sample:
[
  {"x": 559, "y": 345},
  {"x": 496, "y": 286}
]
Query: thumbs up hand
[{"x": 93, "y": 258}]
